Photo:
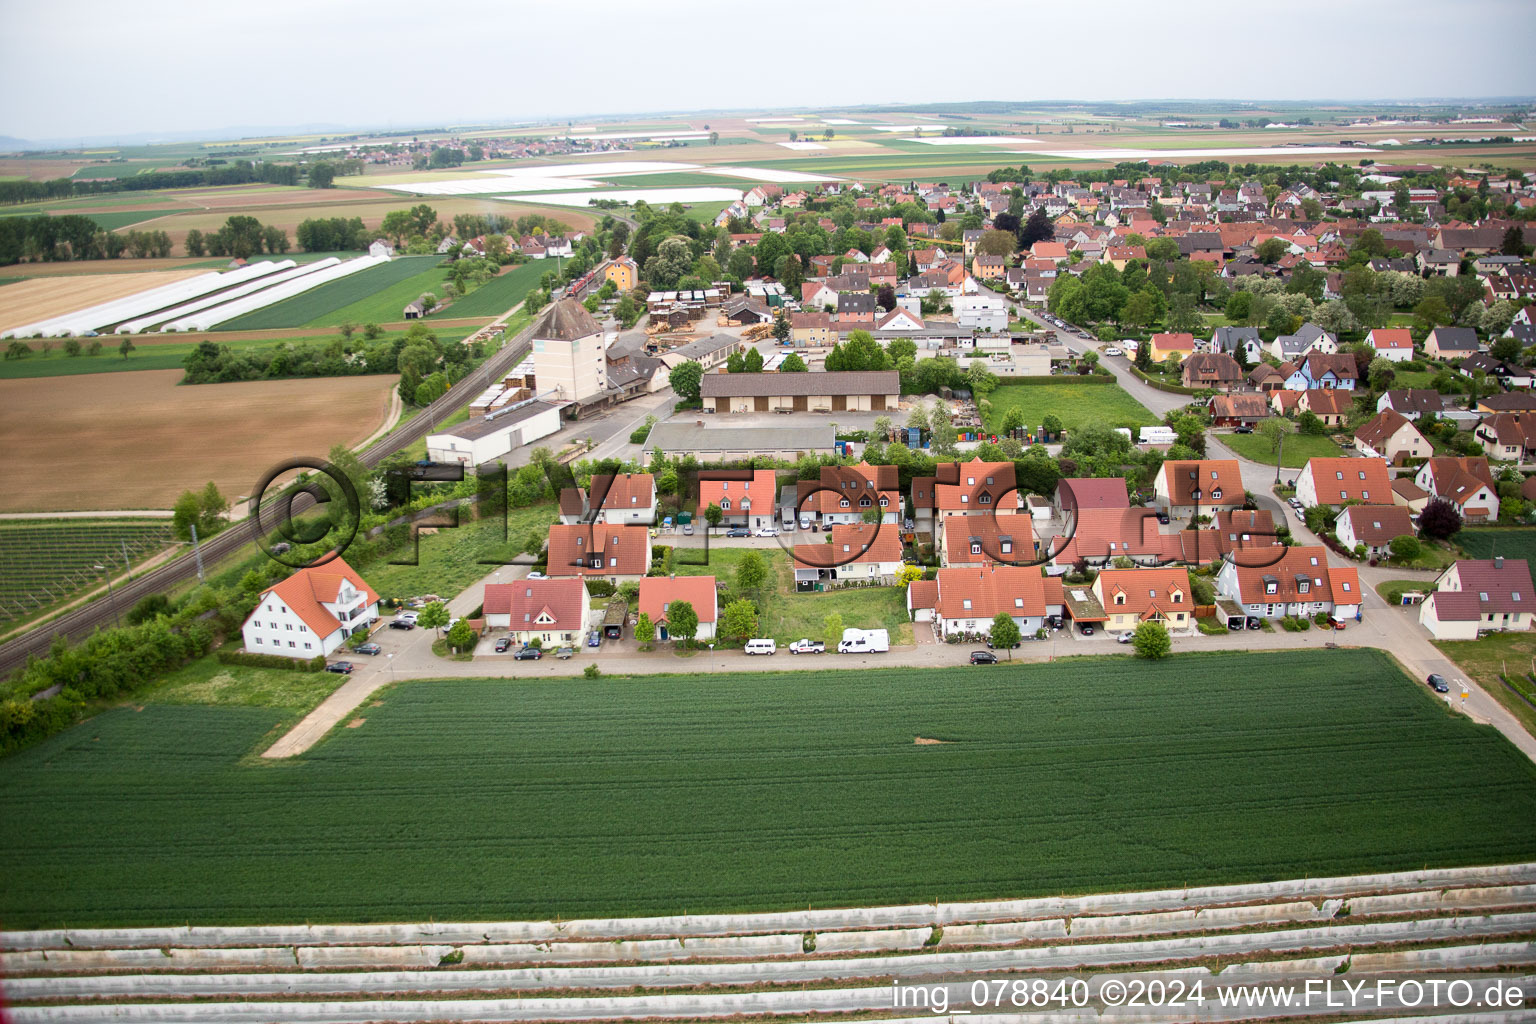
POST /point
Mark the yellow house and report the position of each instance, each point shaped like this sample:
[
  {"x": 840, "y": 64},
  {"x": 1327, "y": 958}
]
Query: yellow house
[
  {"x": 623, "y": 272},
  {"x": 1133, "y": 596},
  {"x": 986, "y": 267},
  {"x": 1180, "y": 343}
]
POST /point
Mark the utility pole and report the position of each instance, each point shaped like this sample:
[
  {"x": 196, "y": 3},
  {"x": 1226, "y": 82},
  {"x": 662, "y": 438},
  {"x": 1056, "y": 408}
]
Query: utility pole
[
  {"x": 197, "y": 552},
  {"x": 127, "y": 566},
  {"x": 1279, "y": 456},
  {"x": 111, "y": 598}
]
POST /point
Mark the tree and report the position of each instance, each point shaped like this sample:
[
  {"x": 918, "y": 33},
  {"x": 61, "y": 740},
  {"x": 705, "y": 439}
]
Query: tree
[
  {"x": 1406, "y": 548},
  {"x": 907, "y": 573},
  {"x": 1496, "y": 320},
  {"x": 1270, "y": 250},
  {"x": 1144, "y": 356},
  {"x": 1506, "y": 350},
  {"x": 398, "y": 225},
  {"x": 832, "y": 630},
  {"x": 1182, "y": 314},
  {"x": 1038, "y": 228},
  {"x": 754, "y": 361},
  {"x": 213, "y": 507},
  {"x": 918, "y": 417},
  {"x": 125, "y": 347},
  {"x": 996, "y": 243},
  {"x": 738, "y": 620},
  {"x": 752, "y": 572},
  {"x": 1013, "y": 419},
  {"x": 736, "y": 363},
  {"x": 686, "y": 379},
  {"x": 781, "y": 328},
  {"x": 433, "y": 616},
  {"x": 1004, "y": 633},
  {"x": 1239, "y": 307},
  {"x": 194, "y": 243},
  {"x": 645, "y": 631},
  {"x": 885, "y": 298},
  {"x": 1514, "y": 241},
  {"x": 1439, "y": 520},
  {"x": 1151, "y": 641},
  {"x": 184, "y": 514},
  {"x": 1311, "y": 424},
  {"x": 793, "y": 364},
  {"x": 461, "y": 637},
  {"x": 943, "y": 439},
  {"x": 1051, "y": 424},
  {"x": 713, "y": 514},
  {"x": 682, "y": 620},
  {"x": 1381, "y": 374},
  {"x": 1274, "y": 429}
]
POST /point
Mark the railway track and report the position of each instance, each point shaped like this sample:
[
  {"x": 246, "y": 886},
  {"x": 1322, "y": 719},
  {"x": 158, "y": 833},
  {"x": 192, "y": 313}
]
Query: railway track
[{"x": 78, "y": 623}]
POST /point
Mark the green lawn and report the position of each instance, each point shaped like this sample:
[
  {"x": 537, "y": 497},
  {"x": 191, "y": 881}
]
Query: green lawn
[
  {"x": 514, "y": 799},
  {"x": 388, "y": 303},
  {"x": 207, "y": 682},
  {"x": 502, "y": 292},
  {"x": 1487, "y": 541},
  {"x": 1298, "y": 448},
  {"x": 1077, "y": 405},
  {"x": 1498, "y": 653},
  {"x": 452, "y": 559},
  {"x": 1392, "y": 591}
]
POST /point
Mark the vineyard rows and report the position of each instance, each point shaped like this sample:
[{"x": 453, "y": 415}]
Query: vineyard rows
[{"x": 45, "y": 564}]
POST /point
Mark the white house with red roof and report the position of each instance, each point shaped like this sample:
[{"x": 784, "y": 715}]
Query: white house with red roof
[
  {"x": 549, "y": 610},
  {"x": 965, "y": 600},
  {"x": 311, "y": 613},
  {"x": 1276, "y": 581},
  {"x": 1334, "y": 481},
  {"x": 847, "y": 494},
  {"x": 1394, "y": 344},
  {"x": 657, "y": 594},
  {"x": 744, "y": 499},
  {"x": 858, "y": 553},
  {"x": 1479, "y": 594}
]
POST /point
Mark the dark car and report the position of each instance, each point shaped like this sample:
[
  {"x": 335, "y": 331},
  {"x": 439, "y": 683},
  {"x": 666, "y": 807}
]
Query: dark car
[
  {"x": 1087, "y": 629},
  {"x": 503, "y": 645},
  {"x": 1244, "y": 429},
  {"x": 371, "y": 649},
  {"x": 594, "y": 639},
  {"x": 1438, "y": 684},
  {"x": 1254, "y": 622},
  {"x": 344, "y": 667},
  {"x": 529, "y": 654},
  {"x": 1054, "y": 621},
  {"x": 401, "y": 624},
  {"x": 992, "y": 646},
  {"x": 1162, "y": 517},
  {"x": 983, "y": 658},
  {"x": 738, "y": 531}
]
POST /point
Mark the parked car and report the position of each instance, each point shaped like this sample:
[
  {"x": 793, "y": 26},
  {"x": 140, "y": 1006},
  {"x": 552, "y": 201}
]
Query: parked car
[
  {"x": 370, "y": 649},
  {"x": 687, "y": 529},
  {"x": 1254, "y": 622},
  {"x": 767, "y": 531},
  {"x": 1438, "y": 684},
  {"x": 1086, "y": 629},
  {"x": 983, "y": 658},
  {"x": 402, "y": 624},
  {"x": 528, "y": 654},
  {"x": 1293, "y": 502},
  {"x": 595, "y": 638},
  {"x": 738, "y": 531},
  {"x": 761, "y": 646},
  {"x": 535, "y": 576},
  {"x": 908, "y": 524},
  {"x": 344, "y": 667},
  {"x": 1124, "y": 638},
  {"x": 1243, "y": 428},
  {"x": 1162, "y": 517},
  {"x": 1112, "y": 351},
  {"x": 406, "y": 617},
  {"x": 1054, "y": 621},
  {"x": 1335, "y": 623},
  {"x": 807, "y": 647},
  {"x": 503, "y": 645}
]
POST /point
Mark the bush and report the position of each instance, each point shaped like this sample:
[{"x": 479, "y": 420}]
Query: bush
[
  {"x": 1321, "y": 618},
  {"x": 253, "y": 660},
  {"x": 600, "y": 588},
  {"x": 592, "y": 672}
]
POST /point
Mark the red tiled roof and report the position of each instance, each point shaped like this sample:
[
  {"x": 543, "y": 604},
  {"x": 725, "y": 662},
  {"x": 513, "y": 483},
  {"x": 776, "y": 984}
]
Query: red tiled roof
[
  {"x": 1018, "y": 590},
  {"x": 1377, "y": 524},
  {"x": 1379, "y": 429},
  {"x": 979, "y": 486},
  {"x": 1391, "y": 338},
  {"x": 1206, "y": 476},
  {"x": 923, "y": 593},
  {"x": 1329, "y": 401},
  {"x": 961, "y": 532},
  {"x": 756, "y": 493},
  {"x": 628, "y": 490},
  {"x": 1109, "y": 533},
  {"x": 304, "y": 591},
  {"x": 852, "y": 543},
  {"x": 1495, "y": 582},
  {"x": 656, "y": 592},
  {"x": 1336, "y": 481},
  {"x": 1147, "y": 593},
  {"x": 564, "y": 601},
  {"x": 1303, "y": 564},
  {"x": 861, "y": 485},
  {"x": 572, "y": 549},
  {"x": 1093, "y": 492}
]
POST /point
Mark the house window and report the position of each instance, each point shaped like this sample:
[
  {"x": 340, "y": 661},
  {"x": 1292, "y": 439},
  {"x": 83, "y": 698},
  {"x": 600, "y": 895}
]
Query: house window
[
  {"x": 1007, "y": 547},
  {"x": 985, "y": 499},
  {"x": 884, "y": 502},
  {"x": 864, "y": 502},
  {"x": 258, "y": 641},
  {"x": 289, "y": 626},
  {"x": 290, "y": 643},
  {"x": 306, "y": 645},
  {"x": 1018, "y": 602},
  {"x": 1338, "y": 475},
  {"x": 1271, "y": 588},
  {"x": 964, "y": 498},
  {"x": 1216, "y": 493},
  {"x": 966, "y": 604},
  {"x": 1303, "y": 587},
  {"x": 1119, "y": 599},
  {"x": 975, "y": 548},
  {"x": 305, "y": 629},
  {"x": 1365, "y": 495},
  {"x": 725, "y": 503}
]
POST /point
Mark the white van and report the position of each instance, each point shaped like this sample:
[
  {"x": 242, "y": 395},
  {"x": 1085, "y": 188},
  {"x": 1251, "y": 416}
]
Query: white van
[
  {"x": 761, "y": 647},
  {"x": 864, "y": 641}
]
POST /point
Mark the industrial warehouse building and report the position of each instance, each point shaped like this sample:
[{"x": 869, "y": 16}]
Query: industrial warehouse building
[
  {"x": 490, "y": 437},
  {"x": 852, "y": 391},
  {"x": 739, "y": 444}
]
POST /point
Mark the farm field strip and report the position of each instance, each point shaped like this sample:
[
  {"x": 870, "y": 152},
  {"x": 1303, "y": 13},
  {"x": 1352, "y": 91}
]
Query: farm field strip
[
  {"x": 500, "y": 293},
  {"x": 41, "y": 298},
  {"x": 311, "y": 306},
  {"x": 389, "y": 303},
  {"x": 1061, "y": 778}
]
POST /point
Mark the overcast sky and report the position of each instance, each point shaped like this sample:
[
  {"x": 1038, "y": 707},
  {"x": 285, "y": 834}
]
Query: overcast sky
[{"x": 92, "y": 68}]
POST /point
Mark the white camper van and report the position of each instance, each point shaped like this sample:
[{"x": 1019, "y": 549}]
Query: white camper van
[{"x": 863, "y": 641}]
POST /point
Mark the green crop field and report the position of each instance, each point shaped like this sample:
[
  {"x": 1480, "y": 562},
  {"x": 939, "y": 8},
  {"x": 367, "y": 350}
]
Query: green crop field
[
  {"x": 523, "y": 799},
  {"x": 316, "y": 303},
  {"x": 1077, "y": 405},
  {"x": 1485, "y": 542},
  {"x": 111, "y": 221},
  {"x": 1298, "y": 448},
  {"x": 388, "y": 304},
  {"x": 501, "y": 293},
  {"x": 47, "y": 563}
]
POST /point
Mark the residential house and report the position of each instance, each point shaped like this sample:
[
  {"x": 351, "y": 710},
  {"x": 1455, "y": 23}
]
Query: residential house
[
  {"x": 975, "y": 488},
  {"x": 1467, "y": 483},
  {"x": 1334, "y": 481},
  {"x": 898, "y": 322},
  {"x": 744, "y": 497},
  {"x": 989, "y": 268},
  {"x": 1451, "y": 342},
  {"x": 1513, "y": 401},
  {"x": 1392, "y": 344},
  {"x": 1479, "y": 594},
  {"x": 849, "y": 494},
  {"x": 1098, "y": 536},
  {"x": 1374, "y": 526},
  {"x": 1238, "y": 410},
  {"x": 381, "y": 249},
  {"x": 855, "y": 308},
  {"x": 812, "y": 330},
  {"x": 613, "y": 499},
  {"x": 1508, "y": 436},
  {"x": 1300, "y": 583},
  {"x": 1199, "y": 486},
  {"x": 599, "y": 551},
  {"x": 1170, "y": 343},
  {"x": 965, "y": 600},
  {"x": 311, "y": 613},
  {"x": 1076, "y": 493},
  {"x": 1332, "y": 407},
  {"x": 1133, "y": 596},
  {"x": 1212, "y": 370},
  {"x": 852, "y": 553},
  {"x": 551, "y": 611},
  {"x": 1006, "y": 538},
  {"x": 1053, "y": 251},
  {"x": 659, "y": 593},
  {"x": 1231, "y": 340},
  {"x": 1409, "y": 494},
  {"x": 1411, "y": 403},
  {"x": 1319, "y": 370},
  {"x": 623, "y": 272},
  {"x": 1389, "y": 435},
  {"x": 1118, "y": 256},
  {"x": 1266, "y": 378}
]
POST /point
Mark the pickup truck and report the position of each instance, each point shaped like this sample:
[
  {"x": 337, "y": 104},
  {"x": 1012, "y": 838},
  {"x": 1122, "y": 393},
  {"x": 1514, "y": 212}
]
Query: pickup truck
[{"x": 807, "y": 647}]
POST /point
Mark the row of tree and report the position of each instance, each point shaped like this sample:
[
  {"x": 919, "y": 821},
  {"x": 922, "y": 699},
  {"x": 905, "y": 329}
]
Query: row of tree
[{"x": 240, "y": 172}]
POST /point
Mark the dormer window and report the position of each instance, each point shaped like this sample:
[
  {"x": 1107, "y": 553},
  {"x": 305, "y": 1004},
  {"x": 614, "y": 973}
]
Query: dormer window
[
  {"x": 1119, "y": 599},
  {"x": 1216, "y": 493},
  {"x": 1302, "y": 586},
  {"x": 864, "y": 502},
  {"x": 1007, "y": 545},
  {"x": 975, "y": 548},
  {"x": 985, "y": 499},
  {"x": 725, "y": 503},
  {"x": 884, "y": 502},
  {"x": 842, "y": 503}
]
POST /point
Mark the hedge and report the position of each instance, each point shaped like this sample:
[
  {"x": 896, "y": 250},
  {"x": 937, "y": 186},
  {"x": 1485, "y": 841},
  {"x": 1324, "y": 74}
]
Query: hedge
[
  {"x": 1063, "y": 378},
  {"x": 315, "y": 664},
  {"x": 1172, "y": 389}
]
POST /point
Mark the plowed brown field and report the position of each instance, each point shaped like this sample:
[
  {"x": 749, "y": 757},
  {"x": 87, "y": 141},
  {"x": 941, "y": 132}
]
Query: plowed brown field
[
  {"x": 29, "y": 301},
  {"x": 137, "y": 440}
]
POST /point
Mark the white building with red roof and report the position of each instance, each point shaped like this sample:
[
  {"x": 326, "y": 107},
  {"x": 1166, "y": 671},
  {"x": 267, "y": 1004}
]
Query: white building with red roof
[
  {"x": 965, "y": 600},
  {"x": 1272, "y": 582},
  {"x": 658, "y": 593},
  {"x": 549, "y": 610},
  {"x": 857, "y": 553},
  {"x": 1477, "y": 594},
  {"x": 1334, "y": 481},
  {"x": 311, "y": 613},
  {"x": 744, "y": 499}
]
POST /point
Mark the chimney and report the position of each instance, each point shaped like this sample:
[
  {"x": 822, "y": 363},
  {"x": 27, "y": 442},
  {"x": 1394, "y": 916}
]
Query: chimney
[{"x": 1498, "y": 561}]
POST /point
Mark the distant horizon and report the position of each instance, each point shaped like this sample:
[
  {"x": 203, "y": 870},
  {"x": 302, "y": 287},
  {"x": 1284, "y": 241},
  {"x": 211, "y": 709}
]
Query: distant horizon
[{"x": 260, "y": 132}]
